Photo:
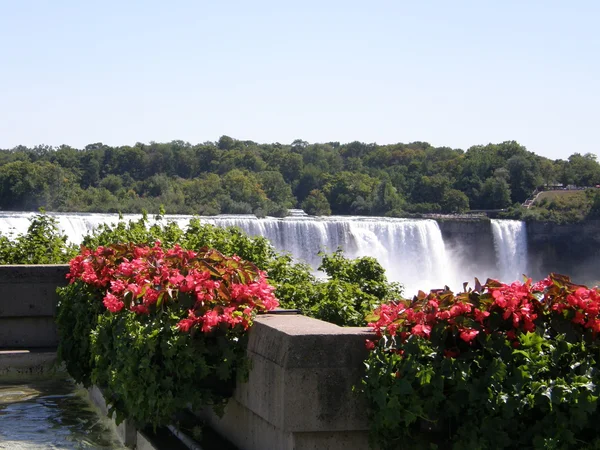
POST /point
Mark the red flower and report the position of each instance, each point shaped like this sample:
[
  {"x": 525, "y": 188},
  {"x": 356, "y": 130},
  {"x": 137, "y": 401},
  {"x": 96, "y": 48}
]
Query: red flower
[
  {"x": 210, "y": 320},
  {"x": 451, "y": 353},
  {"x": 112, "y": 303},
  {"x": 468, "y": 334},
  {"x": 140, "y": 309},
  {"x": 480, "y": 316},
  {"x": 421, "y": 330},
  {"x": 143, "y": 275}
]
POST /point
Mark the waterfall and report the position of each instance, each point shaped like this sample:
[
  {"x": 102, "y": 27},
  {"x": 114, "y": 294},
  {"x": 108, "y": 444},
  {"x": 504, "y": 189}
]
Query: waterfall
[
  {"x": 510, "y": 242},
  {"x": 412, "y": 251}
]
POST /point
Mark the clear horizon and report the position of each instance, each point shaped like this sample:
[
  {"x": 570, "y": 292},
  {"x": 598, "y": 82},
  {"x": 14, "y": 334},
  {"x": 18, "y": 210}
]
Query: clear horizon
[{"x": 454, "y": 75}]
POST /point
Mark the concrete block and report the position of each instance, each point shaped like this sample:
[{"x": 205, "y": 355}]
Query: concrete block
[
  {"x": 27, "y": 332},
  {"x": 266, "y": 401},
  {"x": 19, "y": 299},
  {"x": 347, "y": 440},
  {"x": 246, "y": 430},
  {"x": 303, "y": 371},
  {"x": 125, "y": 431},
  {"x": 299, "y": 392},
  {"x": 30, "y": 290},
  {"x": 144, "y": 443},
  {"x": 323, "y": 400}
]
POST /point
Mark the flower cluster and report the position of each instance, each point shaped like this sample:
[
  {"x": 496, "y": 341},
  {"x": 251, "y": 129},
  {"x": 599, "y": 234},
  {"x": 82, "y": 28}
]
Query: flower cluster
[
  {"x": 214, "y": 289},
  {"x": 494, "y": 308}
]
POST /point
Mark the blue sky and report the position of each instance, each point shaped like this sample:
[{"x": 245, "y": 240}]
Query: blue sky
[{"x": 454, "y": 73}]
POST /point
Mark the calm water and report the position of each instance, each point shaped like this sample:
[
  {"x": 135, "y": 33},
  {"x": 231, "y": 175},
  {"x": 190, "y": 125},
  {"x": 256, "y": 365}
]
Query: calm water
[{"x": 50, "y": 414}]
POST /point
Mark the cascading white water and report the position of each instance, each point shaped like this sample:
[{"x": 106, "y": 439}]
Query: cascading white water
[
  {"x": 510, "y": 242},
  {"x": 412, "y": 251}
]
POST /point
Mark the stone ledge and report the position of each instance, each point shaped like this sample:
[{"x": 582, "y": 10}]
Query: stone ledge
[
  {"x": 37, "y": 361},
  {"x": 299, "y": 392},
  {"x": 300, "y": 341},
  {"x": 26, "y": 300},
  {"x": 34, "y": 273}
]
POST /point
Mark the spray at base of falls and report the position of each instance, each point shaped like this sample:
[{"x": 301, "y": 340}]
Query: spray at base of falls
[{"x": 412, "y": 251}]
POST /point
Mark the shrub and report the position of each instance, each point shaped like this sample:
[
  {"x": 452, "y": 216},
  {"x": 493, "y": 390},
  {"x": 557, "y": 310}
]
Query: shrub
[
  {"x": 159, "y": 329},
  {"x": 500, "y": 366},
  {"x": 354, "y": 287},
  {"x": 42, "y": 244}
]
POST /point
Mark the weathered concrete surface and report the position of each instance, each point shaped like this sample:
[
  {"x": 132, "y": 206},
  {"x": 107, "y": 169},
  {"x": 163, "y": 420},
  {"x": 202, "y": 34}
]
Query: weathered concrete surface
[
  {"x": 27, "y": 362},
  {"x": 143, "y": 442},
  {"x": 28, "y": 304},
  {"x": 299, "y": 393},
  {"x": 27, "y": 332},
  {"x": 125, "y": 431},
  {"x": 128, "y": 434}
]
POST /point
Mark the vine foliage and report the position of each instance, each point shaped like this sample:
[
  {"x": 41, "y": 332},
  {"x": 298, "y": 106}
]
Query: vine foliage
[
  {"x": 495, "y": 367},
  {"x": 159, "y": 329}
]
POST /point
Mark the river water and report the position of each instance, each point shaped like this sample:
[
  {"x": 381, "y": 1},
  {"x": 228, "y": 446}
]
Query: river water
[{"x": 50, "y": 413}]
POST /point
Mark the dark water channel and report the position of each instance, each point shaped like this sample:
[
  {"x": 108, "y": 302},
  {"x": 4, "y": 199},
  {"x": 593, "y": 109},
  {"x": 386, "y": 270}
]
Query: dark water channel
[{"x": 50, "y": 413}]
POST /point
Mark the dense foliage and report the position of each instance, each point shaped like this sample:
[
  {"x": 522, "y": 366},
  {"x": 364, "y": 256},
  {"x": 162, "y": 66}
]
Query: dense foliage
[
  {"x": 351, "y": 289},
  {"x": 159, "y": 329},
  {"x": 42, "y": 244},
  {"x": 560, "y": 206},
  {"x": 500, "y": 366},
  {"x": 144, "y": 319},
  {"x": 234, "y": 176}
]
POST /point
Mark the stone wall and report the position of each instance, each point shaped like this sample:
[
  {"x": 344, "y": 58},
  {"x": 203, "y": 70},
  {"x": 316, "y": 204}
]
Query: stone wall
[
  {"x": 28, "y": 305},
  {"x": 299, "y": 394}
]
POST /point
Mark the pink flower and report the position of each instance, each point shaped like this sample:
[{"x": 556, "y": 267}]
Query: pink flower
[
  {"x": 140, "y": 309},
  {"x": 117, "y": 286},
  {"x": 210, "y": 320},
  {"x": 480, "y": 316},
  {"x": 468, "y": 334},
  {"x": 112, "y": 303},
  {"x": 421, "y": 330},
  {"x": 185, "y": 325}
]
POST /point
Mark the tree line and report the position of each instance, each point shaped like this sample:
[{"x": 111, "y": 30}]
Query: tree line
[{"x": 243, "y": 177}]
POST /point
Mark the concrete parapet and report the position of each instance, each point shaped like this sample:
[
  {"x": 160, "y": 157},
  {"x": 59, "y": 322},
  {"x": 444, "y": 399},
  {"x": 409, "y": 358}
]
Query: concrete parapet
[
  {"x": 299, "y": 393},
  {"x": 28, "y": 304}
]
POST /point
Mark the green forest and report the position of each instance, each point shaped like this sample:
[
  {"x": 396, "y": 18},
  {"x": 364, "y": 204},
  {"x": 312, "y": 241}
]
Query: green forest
[{"x": 244, "y": 177}]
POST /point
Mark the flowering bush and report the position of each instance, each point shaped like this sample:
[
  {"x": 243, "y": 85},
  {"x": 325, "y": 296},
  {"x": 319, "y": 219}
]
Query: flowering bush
[
  {"x": 498, "y": 366},
  {"x": 223, "y": 290},
  {"x": 353, "y": 287},
  {"x": 159, "y": 328}
]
